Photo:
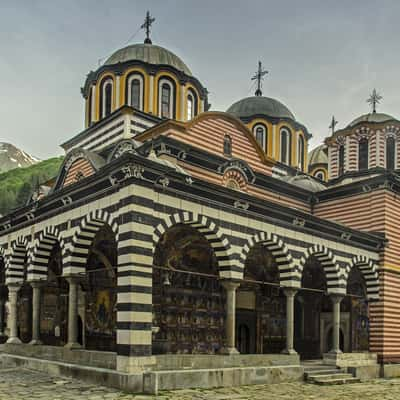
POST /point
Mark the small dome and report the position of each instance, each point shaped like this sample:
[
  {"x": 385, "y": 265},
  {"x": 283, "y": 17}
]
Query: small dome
[
  {"x": 372, "y": 118},
  {"x": 150, "y": 54},
  {"x": 260, "y": 105},
  {"x": 306, "y": 182},
  {"x": 318, "y": 155}
]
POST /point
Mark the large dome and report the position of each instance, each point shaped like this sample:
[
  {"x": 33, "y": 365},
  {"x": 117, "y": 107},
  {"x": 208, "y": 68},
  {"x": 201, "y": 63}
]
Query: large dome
[
  {"x": 150, "y": 54},
  {"x": 260, "y": 105},
  {"x": 372, "y": 117}
]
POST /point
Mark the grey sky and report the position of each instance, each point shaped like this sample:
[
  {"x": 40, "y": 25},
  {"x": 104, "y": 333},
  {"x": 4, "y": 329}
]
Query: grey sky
[{"x": 324, "y": 57}]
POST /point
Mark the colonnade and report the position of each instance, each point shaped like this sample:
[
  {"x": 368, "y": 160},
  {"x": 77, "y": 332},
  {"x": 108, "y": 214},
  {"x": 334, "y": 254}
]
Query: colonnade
[{"x": 230, "y": 289}]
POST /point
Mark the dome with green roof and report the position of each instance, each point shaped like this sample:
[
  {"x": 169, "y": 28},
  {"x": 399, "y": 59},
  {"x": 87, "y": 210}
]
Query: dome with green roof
[
  {"x": 260, "y": 105},
  {"x": 150, "y": 54},
  {"x": 373, "y": 117}
]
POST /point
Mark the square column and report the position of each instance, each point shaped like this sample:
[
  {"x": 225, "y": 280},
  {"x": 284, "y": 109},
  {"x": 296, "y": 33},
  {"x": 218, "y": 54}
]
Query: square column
[{"x": 12, "y": 318}]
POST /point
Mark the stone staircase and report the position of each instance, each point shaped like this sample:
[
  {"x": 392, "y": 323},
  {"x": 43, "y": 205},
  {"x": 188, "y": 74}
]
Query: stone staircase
[{"x": 317, "y": 373}]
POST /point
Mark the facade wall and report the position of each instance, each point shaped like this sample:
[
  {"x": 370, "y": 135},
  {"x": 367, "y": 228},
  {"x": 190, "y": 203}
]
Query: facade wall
[
  {"x": 139, "y": 214},
  {"x": 376, "y": 211}
]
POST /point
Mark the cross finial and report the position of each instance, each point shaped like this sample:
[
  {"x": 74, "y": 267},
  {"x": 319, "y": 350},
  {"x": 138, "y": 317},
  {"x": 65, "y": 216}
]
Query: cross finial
[
  {"x": 374, "y": 99},
  {"x": 333, "y": 124},
  {"x": 259, "y": 77},
  {"x": 147, "y": 25}
]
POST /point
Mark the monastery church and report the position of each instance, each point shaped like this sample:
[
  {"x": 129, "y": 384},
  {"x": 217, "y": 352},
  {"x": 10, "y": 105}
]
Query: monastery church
[{"x": 184, "y": 247}]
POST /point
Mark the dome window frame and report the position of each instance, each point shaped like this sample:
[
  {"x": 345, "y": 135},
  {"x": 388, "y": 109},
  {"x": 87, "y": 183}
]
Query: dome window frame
[
  {"x": 106, "y": 100},
  {"x": 301, "y": 147},
  {"x": 261, "y": 129},
  {"x": 135, "y": 76},
  {"x": 191, "y": 98},
  {"x": 227, "y": 146},
  {"x": 285, "y": 153},
  {"x": 163, "y": 83},
  {"x": 363, "y": 154},
  {"x": 391, "y": 158}
]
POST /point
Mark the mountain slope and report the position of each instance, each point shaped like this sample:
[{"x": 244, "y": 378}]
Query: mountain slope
[
  {"x": 17, "y": 185},
  {"x": 11, "y": 157}
]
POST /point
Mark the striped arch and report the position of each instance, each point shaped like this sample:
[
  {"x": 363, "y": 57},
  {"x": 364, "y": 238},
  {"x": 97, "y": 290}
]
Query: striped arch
[
  {"x": 330, "y": 266},
  {"x": 76, "y": 258},
  {"x": 289, "y": 274},
  {"x": 228, "y": 264},
  {"x": 2, "y": 252},
  {"x": 39, "y": 261},
  {"x": 16, "y": 262},
  {"x": 370, "y": 273}
]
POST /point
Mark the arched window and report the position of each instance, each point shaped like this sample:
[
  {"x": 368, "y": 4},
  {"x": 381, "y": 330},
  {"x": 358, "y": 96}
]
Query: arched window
[
  {"x": 191, "y": 105},
  {"x": 89, "y": 107},
  {"x": 390, "y": 153},
  {"x": 320, "y": 175},
  {"x": 166, "y": 103},
  {"x": 134, "y": 91},
  {"x": 106, "y": 98},
  {"x": 341, "y": 160},
  {"x": 300, "y": 152},
  {"x": 285, "y": 146},
  {"x": 260, "y": 133},
  {"x": 227, "y": 145},
  {"x": 363, "y": 154}
]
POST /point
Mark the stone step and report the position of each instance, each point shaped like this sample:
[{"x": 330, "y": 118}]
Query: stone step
[
  {"x": 323, "y": 372},
  {"x": 336, "y": 381},
  {"x": 313, "y": 378}
]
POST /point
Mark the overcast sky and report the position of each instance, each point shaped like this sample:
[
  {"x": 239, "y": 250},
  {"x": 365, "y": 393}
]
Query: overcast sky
[{"x": 324, "y": 57}]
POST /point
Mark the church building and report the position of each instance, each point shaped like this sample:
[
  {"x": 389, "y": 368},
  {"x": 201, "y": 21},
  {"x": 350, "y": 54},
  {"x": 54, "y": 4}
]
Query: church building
[{"x": 177, "y": 239}]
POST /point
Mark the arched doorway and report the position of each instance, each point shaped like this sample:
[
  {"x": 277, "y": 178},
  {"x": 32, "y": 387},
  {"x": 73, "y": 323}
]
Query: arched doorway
[
  {"x": 188, "y": 300},
  {"x": 98, "y": 294},
  {"x": 260, "y": 305},
  {"x": 356, "y": 305},
  {"x": 54, "y": 303},
  {"x": 310, "y": 303}
]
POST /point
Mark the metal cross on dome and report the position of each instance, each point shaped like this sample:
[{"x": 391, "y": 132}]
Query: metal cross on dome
[
  {"x": 374, "y": 99},
  {"x": 259, "y": 76},
  {"x": 147, "y": 25},
  {"x": 333, "y": 124}
]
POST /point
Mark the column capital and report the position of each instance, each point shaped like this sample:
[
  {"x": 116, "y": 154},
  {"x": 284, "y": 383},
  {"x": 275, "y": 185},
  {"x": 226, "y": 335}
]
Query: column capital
[
  {"x": 37, "y": 284},
  {"x": 230, "y": 285},
  {"x": 290, "y": 291},
  {"x": 336, "y": 297},
  {"x": 14, "y": 287},
  {"x": 71, "y": 279}
]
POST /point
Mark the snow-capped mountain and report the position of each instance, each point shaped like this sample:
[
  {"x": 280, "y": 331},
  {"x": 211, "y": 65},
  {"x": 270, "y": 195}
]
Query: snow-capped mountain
[{"x": 12, "y": 157}]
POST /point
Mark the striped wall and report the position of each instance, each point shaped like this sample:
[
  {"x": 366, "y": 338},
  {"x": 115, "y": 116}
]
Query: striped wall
[
  {"x": 377, "y": 211},
  {"x": 138, "y": 216},
  {"x": 79, "y": 169}
]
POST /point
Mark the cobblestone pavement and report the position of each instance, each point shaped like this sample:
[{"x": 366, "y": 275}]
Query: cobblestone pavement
[{"x": 17, "y": 384}]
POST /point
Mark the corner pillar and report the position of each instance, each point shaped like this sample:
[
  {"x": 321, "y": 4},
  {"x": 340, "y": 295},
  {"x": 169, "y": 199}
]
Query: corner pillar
[
  {"x": 336, "y": 300},
  {"x": 2, "y": 303},
  {"x": 12, "y": 318},
  {"x": 36, "y": 296},
  {"x": 73, "y": 313},
  {"x": 230, "y": 288},
  {"x": 290, "y": 294}
]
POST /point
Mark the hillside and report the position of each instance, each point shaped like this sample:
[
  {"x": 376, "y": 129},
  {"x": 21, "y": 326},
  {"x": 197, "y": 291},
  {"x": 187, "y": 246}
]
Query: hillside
[
  {"x": 12, "y": 157},
  {"x": 17, "y": 185}
]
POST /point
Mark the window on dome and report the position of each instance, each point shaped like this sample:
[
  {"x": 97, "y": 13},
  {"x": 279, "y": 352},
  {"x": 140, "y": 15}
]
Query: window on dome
[
  {"x": 363, "y": 155},
  {"x": 106, "y": 98},
  {"x": 227, "y": 145},
  {"x": 191, "y": 105},
  {"x": 285, "y": 146},
  {"x": 165, "y": 101},
  {"x": 320, "y": 175},
  {"x": 300, "y": 152},
  {"x": 89, "y": 108},
  {"x": 260, "y": 133},
  {"x": 135, "y": 94},
  {"x": 390, "y": 152},
  {"x": 341, "y": 160}
]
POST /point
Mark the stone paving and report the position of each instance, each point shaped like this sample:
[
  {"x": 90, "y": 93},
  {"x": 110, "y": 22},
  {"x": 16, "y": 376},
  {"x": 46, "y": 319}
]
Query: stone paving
[{"x": 18, "y": 384}]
